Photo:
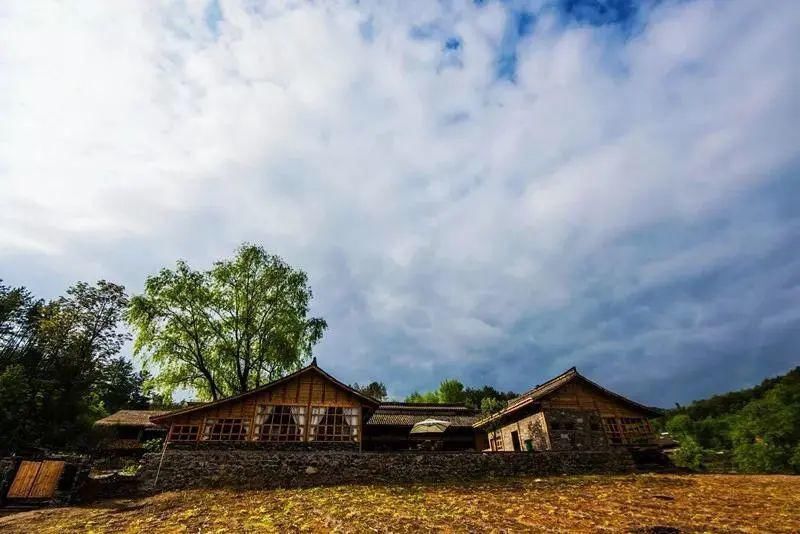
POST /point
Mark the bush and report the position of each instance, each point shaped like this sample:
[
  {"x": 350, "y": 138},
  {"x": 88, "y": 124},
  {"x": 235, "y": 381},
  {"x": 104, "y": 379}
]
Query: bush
[
  {"x": 153, "y": 445},
  {"x": 689, "y": 455}
]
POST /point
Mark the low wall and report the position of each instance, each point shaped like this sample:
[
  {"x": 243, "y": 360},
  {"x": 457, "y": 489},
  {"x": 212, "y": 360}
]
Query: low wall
[
  {"x": 8, "y": 466},
  {"x": 269, "y": 469}
]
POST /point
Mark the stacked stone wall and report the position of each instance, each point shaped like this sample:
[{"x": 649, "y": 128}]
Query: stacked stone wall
[{"x": 270, "y": 469}]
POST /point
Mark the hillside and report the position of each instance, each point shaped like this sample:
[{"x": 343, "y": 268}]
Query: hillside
[
  {"x": 732, "y": 402},
  {"x": 758, "y": 427}
]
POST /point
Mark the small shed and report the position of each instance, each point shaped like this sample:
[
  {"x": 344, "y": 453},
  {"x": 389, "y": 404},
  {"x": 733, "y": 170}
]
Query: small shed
[{"x": 125, "y": 431}]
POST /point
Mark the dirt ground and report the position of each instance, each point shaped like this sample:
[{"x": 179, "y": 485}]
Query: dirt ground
[{"x": 634, "y": 503}]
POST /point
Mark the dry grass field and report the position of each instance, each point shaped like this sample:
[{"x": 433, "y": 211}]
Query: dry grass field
[{"x": 635, "y": 503}]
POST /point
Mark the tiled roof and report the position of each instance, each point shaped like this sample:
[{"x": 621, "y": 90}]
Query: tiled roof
[
  {"x": 542, "y": 390},
  {"x": 131, "y": 418},
  {"x": 407, "y": 414}
]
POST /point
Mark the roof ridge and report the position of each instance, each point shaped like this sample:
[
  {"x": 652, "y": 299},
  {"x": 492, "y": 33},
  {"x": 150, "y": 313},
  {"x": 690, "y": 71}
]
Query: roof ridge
[
  {"x": 571, "y": 371},
  {"x": 312, "y": 366}
]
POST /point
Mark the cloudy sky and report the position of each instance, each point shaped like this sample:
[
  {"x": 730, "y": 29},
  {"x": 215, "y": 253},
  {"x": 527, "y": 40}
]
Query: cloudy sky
[{"x": 491, "y": 191}]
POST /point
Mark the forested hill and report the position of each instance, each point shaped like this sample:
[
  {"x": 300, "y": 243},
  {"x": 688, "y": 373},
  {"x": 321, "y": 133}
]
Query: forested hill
[
  {"x": 759, "y": 426},
  {"x": 728, "y": 403}
]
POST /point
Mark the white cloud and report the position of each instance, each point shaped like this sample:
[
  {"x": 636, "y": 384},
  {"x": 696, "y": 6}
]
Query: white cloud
[{"x": 436, "y": 207}]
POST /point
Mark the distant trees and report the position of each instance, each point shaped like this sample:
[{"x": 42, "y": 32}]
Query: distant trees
[
  {"x": 58, "y": 371},
  {"x": 224, "y": 331},
  {"x": 376, "y": 390},
  {"x": 759, "y": 427},
  {"x": 452, "y": 391}
]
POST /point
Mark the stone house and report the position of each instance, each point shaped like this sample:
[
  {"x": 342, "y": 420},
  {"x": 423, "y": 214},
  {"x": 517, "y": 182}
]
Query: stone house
[{"x": 569, "y": 412}]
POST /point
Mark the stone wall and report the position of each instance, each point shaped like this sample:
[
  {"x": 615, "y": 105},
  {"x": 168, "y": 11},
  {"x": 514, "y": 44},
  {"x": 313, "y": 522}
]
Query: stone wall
[
  {"x": 8, "y": 466},
  {"x": 575, "y": 430},
  {"x": 269, "y": 469}
]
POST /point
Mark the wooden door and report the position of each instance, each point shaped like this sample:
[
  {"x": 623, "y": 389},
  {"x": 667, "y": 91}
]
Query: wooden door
[
  {"x": 36, "y": 480},
  {"x": 515, "y": 441}
]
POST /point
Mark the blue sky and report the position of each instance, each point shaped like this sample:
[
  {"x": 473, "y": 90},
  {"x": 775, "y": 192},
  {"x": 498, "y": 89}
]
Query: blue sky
[{"x": 490, "y": 191}]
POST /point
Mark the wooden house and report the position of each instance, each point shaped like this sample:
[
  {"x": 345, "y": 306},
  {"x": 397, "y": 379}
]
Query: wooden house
[
  {"x": 306, "y": 407},
  {"x": 568, "y": 412}
]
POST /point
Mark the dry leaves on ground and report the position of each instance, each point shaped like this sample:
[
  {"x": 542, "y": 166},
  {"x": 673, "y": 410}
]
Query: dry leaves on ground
[{"x": 635, "y": 503}]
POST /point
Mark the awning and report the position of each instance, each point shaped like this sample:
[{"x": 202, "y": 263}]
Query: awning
[{"x": 430, "y": 426}]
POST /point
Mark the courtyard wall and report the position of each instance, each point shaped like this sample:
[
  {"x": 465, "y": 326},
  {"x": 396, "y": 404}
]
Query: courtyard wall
[{"x": 198, "y": 468}]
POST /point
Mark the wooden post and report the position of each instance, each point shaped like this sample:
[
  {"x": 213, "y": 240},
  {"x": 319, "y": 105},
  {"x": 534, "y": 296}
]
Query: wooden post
[{"x": 161, "y": 461}]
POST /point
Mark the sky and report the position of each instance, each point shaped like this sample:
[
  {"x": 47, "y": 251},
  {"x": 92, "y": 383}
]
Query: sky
[{"x": 489, "y": 191}]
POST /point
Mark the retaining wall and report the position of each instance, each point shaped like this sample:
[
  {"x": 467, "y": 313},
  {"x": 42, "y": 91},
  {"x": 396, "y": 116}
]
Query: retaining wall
[{"x": 270, "y": 469}]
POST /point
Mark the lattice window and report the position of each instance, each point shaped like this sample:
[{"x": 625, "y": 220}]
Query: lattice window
[
  {"x": 498, "y": 441},
  {"x": 613, "y": 429},
  {"x": 279, "y": 423},
  {"x": 226, "y": 429},
  {"x": 184, "y": 432},
  {"x": 334, "y": 424},
  {"x": 635, "y": 428}
]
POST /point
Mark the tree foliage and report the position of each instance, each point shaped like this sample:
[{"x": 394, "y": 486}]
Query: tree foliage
[
  {"x": 451, "y": 391},
  {"x": 224, "y": 331},
  {"x": 55, "y": 358},
  {"x": 760, "y": 426},
  {"x": 376, "y": 390}
]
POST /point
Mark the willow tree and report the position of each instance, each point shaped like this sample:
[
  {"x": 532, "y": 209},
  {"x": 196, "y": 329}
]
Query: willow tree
[{"x": 224, "y": 331}]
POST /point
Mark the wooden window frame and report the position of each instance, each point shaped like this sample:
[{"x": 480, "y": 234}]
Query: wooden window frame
[
  {"x": 226, "y": 434},
  {"x": 613, "y": 429},
  {"x": 635, "y": 429},
  {"x": 336, "y": 424},
  {"x": 188, "y": 432},
  {"x": 265, "y": 428},
  {"x": 498, "y": 441}
]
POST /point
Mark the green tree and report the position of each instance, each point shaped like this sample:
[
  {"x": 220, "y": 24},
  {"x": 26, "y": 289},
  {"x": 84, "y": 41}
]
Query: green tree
[
  {"x": 431, "y": 397},
  {"x": 475, "y": 396},
  {"x": 451, "y": 391},
  {"x": 760, "y": 426},
  {"x": 376, "y": 390},
  {"x": 121, "y": 387},
  {"x": 767, "y": 431},
  {"x": 224, "y": 331},
  {"x": 53, "y": 356},
  {"x": 490, "y": 405}
]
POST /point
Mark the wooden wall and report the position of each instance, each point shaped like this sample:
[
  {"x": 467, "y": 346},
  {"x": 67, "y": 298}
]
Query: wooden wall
[
  {"x": 528, "y": 427},
  {"x": 578, "y": 395},
  {"x": 575, "y": 395},
  {"x": 308, "y": 389}
]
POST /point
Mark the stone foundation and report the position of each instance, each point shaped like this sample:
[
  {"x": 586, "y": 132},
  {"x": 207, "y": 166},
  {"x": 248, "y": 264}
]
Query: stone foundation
[{"x": 271, "y": 469}]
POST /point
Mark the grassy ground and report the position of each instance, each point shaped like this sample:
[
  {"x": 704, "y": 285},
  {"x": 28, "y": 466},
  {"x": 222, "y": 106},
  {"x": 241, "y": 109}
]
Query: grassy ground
[{"x": 635, "y": 503}]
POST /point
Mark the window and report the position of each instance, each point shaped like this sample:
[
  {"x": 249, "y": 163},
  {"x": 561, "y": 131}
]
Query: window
[
  {"x": 613, "y": 429},
  {"x": 498, "y": 441},
  {"x": 334, "y": 424},
  {"x": 635, "y": 428},
  {"x": 226, "y": 429},
  {"x": 184, "y": 432},
  {"x": 280, "y": 423}
]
